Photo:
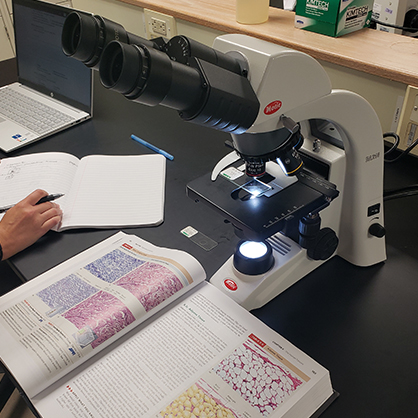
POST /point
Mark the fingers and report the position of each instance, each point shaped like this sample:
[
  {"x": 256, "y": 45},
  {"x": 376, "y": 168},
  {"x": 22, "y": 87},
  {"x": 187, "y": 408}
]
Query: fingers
[
  {"x": 45, "y": 207},
  {"x": 34, "y": 197},
  {"x": 50, "y": 214},
  {"x": 26, "y": 222},
  {"x": 52, "y": 222}
]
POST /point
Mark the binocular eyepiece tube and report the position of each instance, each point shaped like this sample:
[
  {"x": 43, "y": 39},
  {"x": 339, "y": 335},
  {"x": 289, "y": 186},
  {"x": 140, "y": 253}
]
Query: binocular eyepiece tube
[
  {"x": 149, "y": 76},
  {"x": 205, "y": 86}
]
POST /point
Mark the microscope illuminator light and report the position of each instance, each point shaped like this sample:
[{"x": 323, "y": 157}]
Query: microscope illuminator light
[
  {"x": 253, "y": 249},
  {"x": 253, "y": 258}
]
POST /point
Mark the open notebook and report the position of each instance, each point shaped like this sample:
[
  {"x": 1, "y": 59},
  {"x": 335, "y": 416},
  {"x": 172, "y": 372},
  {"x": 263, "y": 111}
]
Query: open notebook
[
  {"x": 53, "y": 92},
  {"x": 100, "y": 191}
]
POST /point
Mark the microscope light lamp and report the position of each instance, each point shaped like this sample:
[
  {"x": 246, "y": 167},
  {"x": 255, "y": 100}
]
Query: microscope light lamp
[
  {"x": 253, "y": 257},
  {"x": 253, "y": 249}
]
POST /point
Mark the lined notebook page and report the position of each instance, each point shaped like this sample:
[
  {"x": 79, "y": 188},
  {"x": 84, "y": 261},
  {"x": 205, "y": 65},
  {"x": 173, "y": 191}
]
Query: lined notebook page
[
  {"x": 117, "y": 191},
  {"x": 51, "y": 171}
]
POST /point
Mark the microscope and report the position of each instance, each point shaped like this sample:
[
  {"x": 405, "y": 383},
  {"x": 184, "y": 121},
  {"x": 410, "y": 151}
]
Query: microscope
[{"x": 303, "y": 180}]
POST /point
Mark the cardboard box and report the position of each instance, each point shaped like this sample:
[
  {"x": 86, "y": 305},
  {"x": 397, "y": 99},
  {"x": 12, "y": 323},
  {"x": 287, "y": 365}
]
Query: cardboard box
[{"x": 333, "y": 17}]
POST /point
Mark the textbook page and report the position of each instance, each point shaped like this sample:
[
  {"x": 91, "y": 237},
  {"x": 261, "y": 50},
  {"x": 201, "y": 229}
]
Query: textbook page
[
  {"x": 204, "y": 356},
  {"x": 117, "y": 191},
  {"x": 65, "y": 316},
  {"x": 20, "y": 176}
]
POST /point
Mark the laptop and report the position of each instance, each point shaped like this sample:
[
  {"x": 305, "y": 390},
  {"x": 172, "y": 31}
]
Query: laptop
[{"x": 55, "y": 88}]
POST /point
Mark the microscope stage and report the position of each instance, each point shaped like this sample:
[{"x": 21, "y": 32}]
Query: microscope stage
[{"x": 260, "y": 217}]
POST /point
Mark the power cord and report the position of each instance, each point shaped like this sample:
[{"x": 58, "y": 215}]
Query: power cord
[
  {"x": 407, "y": 191},
  {"x": 389, "y": 25},
  {"x": 401, "y": 192},
  {"x": 394, "y": 147}
]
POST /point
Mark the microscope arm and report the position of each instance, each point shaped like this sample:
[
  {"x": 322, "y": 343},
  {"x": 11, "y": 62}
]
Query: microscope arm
[{"x": 362, "y": 191}]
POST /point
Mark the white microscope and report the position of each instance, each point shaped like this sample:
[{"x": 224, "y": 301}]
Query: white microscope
[
  {"x": 350, "y": 156},
  {"x": 304, "y": 180}
]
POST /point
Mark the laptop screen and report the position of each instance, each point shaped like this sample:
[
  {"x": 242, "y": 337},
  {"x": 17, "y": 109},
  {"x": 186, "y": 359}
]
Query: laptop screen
[{"x": 41, "y": 63}]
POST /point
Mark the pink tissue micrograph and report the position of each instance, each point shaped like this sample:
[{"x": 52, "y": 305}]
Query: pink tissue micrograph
[
  {"x": 106, "y": 315},
  {"x": 103, "y": 313},
  {"x": 151, "y": 284},
  {"x": 262, "y": 383}
]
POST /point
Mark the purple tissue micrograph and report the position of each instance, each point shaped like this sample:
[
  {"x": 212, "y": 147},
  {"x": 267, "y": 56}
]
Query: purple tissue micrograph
[
  {"x": 66, "y": 293},
  {"x": 113, "y": 266}
]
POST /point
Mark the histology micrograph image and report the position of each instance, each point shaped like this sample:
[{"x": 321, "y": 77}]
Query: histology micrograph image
[
  {"x": 258, "y": 380},
  {"x": 101, "y": 312},
  {"x": 196, "y": 402}
]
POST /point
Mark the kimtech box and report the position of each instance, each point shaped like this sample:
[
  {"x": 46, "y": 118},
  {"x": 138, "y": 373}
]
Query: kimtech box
[{"x": 333, "y": 17}]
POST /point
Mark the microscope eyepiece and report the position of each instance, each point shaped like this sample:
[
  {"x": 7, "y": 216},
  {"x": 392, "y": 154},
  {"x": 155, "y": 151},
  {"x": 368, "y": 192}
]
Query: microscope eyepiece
[
  {"x": 71, "y": 36},
  {"x": 85, "y": 36},
  {"x": 120, "y": 66}
]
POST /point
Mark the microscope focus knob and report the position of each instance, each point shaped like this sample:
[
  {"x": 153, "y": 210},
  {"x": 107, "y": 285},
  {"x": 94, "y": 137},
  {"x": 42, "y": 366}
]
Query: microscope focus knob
[
  {"x": 309, "y": 226},
  {"x": 326, "y": 242},
  {"x": 377, "y": 230}
]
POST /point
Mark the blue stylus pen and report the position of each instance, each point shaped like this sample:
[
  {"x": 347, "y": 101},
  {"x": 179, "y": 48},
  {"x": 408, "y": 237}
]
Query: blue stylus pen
[{"x": 152, "y": 147}]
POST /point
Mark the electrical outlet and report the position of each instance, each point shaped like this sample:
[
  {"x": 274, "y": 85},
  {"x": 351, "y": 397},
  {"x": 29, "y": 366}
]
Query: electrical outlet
[
  {"x": 159, "y": 24},
  {"x": 408, "y": 121}
]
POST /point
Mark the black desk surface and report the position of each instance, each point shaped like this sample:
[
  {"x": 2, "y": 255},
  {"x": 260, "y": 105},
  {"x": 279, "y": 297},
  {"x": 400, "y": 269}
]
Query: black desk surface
[{"x": 360, "y": 323}]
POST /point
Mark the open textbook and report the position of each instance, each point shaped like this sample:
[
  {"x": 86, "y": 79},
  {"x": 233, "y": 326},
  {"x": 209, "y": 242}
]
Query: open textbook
[
  {"x": 128, "y": 329},
  {"x": 99, "y": 190}
]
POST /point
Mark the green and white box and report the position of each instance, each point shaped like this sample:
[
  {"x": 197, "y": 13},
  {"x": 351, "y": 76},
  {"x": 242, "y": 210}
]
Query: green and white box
[{"x": 333, "y": 17}]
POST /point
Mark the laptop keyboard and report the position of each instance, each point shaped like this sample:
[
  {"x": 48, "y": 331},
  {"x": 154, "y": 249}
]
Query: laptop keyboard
[{"x": 29, "y": 113}]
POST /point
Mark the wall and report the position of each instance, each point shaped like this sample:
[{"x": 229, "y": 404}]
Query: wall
[
  {"x": 132, "y": 18},
  {"x": 385, "y": 96},
  {"x": 6, "y": 30}
]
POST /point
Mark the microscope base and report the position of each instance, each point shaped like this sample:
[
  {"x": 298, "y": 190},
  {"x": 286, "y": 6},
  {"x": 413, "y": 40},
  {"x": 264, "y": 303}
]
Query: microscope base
[{"x": 290, "y": 265}]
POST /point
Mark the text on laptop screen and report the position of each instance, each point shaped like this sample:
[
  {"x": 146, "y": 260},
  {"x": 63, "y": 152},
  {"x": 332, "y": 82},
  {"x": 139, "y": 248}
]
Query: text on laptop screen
[{"x": 41, "y": 61}]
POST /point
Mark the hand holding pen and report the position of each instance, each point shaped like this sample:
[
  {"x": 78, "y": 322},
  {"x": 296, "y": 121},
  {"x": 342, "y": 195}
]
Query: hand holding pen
[
  {"x": 47, "y": 198},
  {"x": 28, "y": 220}
]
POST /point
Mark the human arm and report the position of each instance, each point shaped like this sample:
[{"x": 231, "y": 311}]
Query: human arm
[{"x": 26, "y": 222}]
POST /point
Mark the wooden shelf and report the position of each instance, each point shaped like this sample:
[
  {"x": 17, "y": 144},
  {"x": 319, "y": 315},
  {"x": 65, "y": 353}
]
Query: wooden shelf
[{"x": 383, "y": 54}]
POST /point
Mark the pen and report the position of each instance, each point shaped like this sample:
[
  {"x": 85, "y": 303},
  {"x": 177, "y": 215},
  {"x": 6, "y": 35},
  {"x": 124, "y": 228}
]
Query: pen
[
  {"x": 152, "y": 147},
  {"x": 49, "y": 198},
  {"x": 44, "y": 199}
]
